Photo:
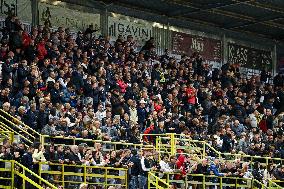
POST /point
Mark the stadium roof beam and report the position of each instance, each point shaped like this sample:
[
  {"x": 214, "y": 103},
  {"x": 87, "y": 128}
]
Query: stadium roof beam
[
  {"x": 259, "y": 21},
  {"x": 234, "y": 15},
  {"x": 199, "y": 9}
]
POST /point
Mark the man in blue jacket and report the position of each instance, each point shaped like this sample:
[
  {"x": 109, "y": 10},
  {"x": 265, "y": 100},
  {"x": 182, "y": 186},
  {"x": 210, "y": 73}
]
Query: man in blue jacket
[{"x": 214, "y": 170}]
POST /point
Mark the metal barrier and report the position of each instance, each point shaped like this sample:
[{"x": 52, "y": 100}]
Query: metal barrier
[
  {"x": 171, "y": 143},
  {"x": 21, "y": 136},
  {"x": 25, "y": 132},
  {"x": 204, "y": 181},
  {"x": 154, "y": 182},
  {"x": 108, "y": 145},
  {"x": 15, "y": 175},
  {"x": 6, "y": 136},
  {"x": 275, "y": 184},
  {"x": 70, "y": 175}
]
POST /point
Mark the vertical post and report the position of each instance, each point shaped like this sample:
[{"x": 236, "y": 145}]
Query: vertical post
[
  {"x": 203, "y": 182},
  {"x": 106, "y": 177},
  {"x": 156, "y": 183},
  {"x": 24, "y": 181},
  {"x": 104, "y": 22},
  {"x": 149, "y": 180},
  {"x": 12, "y": 173},
  {"x": 39, "y": 170},
  {"x": 34, "y": 9},
  {"x": 274, "y": 60},
  {"x": 63, "y": 178},
  {"x": 221, "y": 182},
  {"x": 12, "y": 137},
  {"x": 186, "y": 182},
  {"x": 225, "y": 50},
  {"x": 42, "y": 138},
  {"x": 173, "y": 144},
  {"x": 126, "y": 179},
  {"x": 85, "y": 173},
  {"x": 203, "y": 150}
]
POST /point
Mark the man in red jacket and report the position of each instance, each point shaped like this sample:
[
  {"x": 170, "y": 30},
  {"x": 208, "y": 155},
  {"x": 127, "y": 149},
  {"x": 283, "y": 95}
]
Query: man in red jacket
[
  {"x": 191, "y": 94},
  {"x": 42, "y": 52}
]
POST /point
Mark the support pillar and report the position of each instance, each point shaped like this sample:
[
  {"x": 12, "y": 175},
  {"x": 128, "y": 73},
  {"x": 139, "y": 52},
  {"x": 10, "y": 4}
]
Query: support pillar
[
  {"x": 274, "y": 60},
  {"x": 225, "y": 50},
  {"x": 34, "y": 8},
  {"x": 104, "y": 22}
]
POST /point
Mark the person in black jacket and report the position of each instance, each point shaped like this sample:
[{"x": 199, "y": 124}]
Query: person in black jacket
[
  {"x": 73, "y": 159},
  {"x": 22, "y": 72},
  {"x": 135, "y": 170},
  {"x": 257, "y": 173},
  {"x": 27, "y": 161},
  {"x": 7, "y": 69}
]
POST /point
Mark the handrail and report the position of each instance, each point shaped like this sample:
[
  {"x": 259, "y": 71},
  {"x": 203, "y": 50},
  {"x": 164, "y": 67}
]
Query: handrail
[
  {"x": 76, "y": 141},
  {"x": 8, "y": 134},
  {"x": 16, "y": 126},
  {"x": 104, "y": 172},
  {"x": 7, "y": 128},
  {"x": 18, "y": 170},
  {"x": 206, "y": 146},
  {"x": 156, "y": 181},
  {"x": 272, "y": 183},
  {"x": 207, "y": 180},
  {"x": 32, "y": 174},
  {"x": 19, "y": 121}
]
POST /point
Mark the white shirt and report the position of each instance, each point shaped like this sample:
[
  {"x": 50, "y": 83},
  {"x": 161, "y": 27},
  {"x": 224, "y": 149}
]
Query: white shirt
[
  {"x": 165, "y": 167},
  {"x": 143, "y": 165}
]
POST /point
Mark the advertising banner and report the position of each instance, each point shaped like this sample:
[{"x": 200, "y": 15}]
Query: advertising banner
[
  {"x": 57, "y": 15},
  {"x": 249, "y": 57},
  {"x": 208, "y": 48},
  {"x": 21, "y": 8},
  {"x": 141, "y": 32}
]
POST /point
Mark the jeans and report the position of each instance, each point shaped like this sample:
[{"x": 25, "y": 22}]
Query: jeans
[
  {"x": 142, "y": 182},
  {"x": 133, "y": 183}
]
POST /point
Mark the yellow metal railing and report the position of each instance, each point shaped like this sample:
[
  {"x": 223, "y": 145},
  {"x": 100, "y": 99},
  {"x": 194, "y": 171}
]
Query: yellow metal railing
[
  {"x": 20, "y": 128},
  {"x": 70, "y": 174},
  {"x": 15, "y": 175},
  {"x": 170, "y": 143},
  {"x": 57, "y": 140},
  {"x": 154, "y": 182},
  {"x": 204, "y": 181},
  {"x": 274, "y": 184},
  {"x": 6, "y": 135}
]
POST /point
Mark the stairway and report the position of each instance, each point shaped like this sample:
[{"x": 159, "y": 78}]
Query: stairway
[
  {"x": 13, "y": 174},
  {"x": 22, "y": 132}
]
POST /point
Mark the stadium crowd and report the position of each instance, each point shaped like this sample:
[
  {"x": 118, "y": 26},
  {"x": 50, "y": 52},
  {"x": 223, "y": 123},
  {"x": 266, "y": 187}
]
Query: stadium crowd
[{"x": 93, "y": 88}]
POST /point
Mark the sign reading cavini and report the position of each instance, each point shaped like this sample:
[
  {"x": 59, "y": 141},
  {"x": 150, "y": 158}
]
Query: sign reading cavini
[
  {"x": 59, "y": 15},
  {"x": 141, "y": 32}
]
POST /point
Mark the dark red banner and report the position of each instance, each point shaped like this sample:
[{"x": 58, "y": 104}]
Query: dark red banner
[{"x": 208, "y": 48}]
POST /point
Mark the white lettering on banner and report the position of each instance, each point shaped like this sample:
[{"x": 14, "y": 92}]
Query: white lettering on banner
[
  {"x": 21, "y": 8},
  {"x": 197, "y": 45},
  {"x": 57, "y": 16},
  {"x": 239, "y": 55},
  {"x": 140, "y": 32}
]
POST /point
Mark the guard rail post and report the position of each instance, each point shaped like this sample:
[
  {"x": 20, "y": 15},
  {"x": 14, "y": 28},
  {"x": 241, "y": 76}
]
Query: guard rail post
[
  {"x": 13, "y": 174},
  {"x": 172, "y": 143},
  {"x": 85, "y": 173}
]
